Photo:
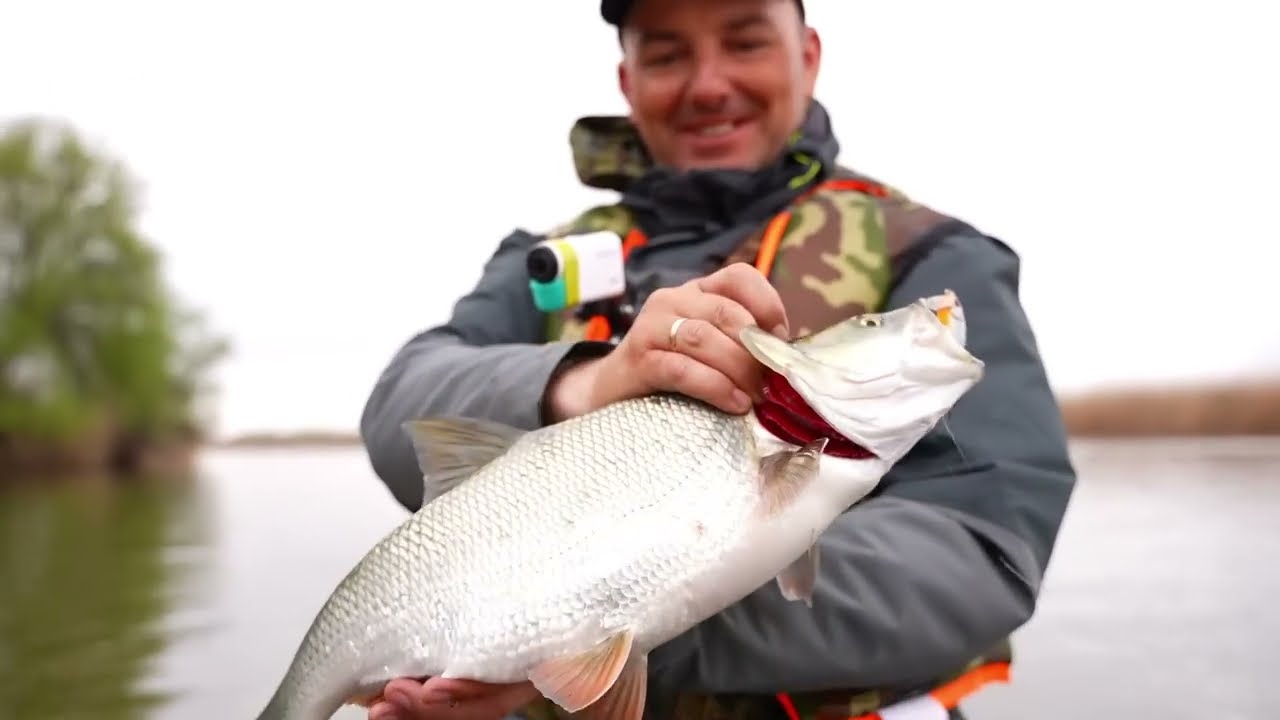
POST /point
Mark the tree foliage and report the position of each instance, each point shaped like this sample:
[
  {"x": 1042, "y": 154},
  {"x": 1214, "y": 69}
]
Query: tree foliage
[{"x": 90, "y": 336}]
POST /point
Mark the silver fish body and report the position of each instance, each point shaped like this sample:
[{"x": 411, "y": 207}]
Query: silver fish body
[
  {"x": 646, "y": 515},
  {"x": 564, "y": 555}
]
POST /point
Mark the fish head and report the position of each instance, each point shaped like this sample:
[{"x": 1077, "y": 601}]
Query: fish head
[{"x": 877, "y": 381}]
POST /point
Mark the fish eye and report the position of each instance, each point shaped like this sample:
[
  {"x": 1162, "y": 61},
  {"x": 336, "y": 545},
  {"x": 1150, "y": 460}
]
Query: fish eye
[{"x": 869, "y": 321}]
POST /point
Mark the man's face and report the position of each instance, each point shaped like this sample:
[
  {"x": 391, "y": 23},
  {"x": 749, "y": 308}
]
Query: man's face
[{"x": 717, "y": 83}]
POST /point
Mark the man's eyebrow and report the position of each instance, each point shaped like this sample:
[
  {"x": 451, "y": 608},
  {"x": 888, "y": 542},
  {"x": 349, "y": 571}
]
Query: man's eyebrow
[
  {"x": 655, "y": 36},
  {"x": 746, "y": 22},
  {"x": 648, "y": 37}
]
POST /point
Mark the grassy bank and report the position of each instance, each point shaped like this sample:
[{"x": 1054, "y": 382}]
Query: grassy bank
[
  {"x": 1228, "y": 409},
  {"x": 305, "y": 438},
  {"x": 95, "y": 454}
]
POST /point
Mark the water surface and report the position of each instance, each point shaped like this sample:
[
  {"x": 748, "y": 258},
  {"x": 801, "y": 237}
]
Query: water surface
[{"x": 186, "y": 600}]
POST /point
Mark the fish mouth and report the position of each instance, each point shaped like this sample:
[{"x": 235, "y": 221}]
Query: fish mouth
[
  {"x": 788, "y": 416},
  {"x": 784, "y": 411}
]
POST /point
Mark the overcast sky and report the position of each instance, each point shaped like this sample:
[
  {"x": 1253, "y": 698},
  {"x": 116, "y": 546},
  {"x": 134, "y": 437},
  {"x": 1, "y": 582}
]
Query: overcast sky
[{"x": 306, "y": 166}]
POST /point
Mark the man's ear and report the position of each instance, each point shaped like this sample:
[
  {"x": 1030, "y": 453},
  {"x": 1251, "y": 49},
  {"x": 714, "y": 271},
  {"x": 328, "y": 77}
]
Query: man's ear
[
  {"x": 811, "y": 54},
  {"x": 624, "y": 86},
  {"x": 624, "y": 80}
]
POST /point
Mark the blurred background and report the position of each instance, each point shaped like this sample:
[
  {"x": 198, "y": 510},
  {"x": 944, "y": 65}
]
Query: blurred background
[{"x": 218, "y": 221}]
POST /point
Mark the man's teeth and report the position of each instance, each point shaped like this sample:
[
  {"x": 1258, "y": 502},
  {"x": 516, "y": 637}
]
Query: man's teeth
[{"x": 714, "y": 130}]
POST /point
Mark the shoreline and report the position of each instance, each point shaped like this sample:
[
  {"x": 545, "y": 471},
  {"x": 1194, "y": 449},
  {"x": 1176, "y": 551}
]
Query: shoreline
[
  {"x": 1166, "y": 415},
  {"x": 1241, "y": 409}
]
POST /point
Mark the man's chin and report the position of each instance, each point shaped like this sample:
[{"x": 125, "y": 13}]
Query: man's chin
[
  {"x": 738, "y": 159},
  {"x": 737, "y": 149}
]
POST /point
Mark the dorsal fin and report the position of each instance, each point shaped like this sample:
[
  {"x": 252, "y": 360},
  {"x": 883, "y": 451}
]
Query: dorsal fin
[{"x": 449, "y": 450}]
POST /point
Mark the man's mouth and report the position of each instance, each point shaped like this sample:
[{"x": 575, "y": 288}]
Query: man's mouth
[
  {"x": 716, "y": 130},
  {"x": 713, "y": 130}
]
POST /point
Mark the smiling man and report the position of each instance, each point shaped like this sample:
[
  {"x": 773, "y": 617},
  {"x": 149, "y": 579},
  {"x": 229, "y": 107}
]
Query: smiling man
[
  {"x": 732, "y": 209},
  {"x": 728, "y": 98}
]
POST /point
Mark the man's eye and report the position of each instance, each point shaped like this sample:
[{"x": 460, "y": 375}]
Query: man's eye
[{"x": 657, "y": 57}]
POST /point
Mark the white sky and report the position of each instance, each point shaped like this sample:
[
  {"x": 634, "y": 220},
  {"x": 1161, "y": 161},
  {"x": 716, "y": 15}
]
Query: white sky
[{"x": 307, "y": 165}]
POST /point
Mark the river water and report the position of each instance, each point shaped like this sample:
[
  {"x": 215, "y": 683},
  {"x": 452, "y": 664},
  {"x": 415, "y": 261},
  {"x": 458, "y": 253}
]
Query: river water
[{"x": 185, "y": 601}]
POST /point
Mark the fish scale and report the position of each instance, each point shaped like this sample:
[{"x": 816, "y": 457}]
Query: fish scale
[{"x": 566, "y": 554}]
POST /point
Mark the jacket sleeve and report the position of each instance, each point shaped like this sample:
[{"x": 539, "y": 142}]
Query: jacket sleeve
[
  {"x": 488, "y": 361},
  {"x": 946, "y": 559}
]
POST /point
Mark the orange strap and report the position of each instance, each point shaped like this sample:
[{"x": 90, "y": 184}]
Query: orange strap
[
  {"x": 949, "y": 695},
  {"x": 598, "y": 326}
]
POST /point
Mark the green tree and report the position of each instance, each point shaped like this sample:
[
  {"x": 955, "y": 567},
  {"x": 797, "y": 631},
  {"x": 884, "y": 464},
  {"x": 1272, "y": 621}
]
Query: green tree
[{"x": 90, "y": 336}]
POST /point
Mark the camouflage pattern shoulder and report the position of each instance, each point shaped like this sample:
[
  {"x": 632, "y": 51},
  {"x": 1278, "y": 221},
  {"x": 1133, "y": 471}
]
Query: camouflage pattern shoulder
[
  {"x": 843, "y": 251},
  {"x": 607, "y": 152},
  {"x": 616, "y": 218},
  {"x": 833, "y": 261},
  {"x": 906, "y": 221}
]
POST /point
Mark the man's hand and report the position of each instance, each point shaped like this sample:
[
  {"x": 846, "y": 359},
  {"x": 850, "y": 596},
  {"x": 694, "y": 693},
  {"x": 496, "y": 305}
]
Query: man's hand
[
  {"x": 702, "y": 358},
  {"x": 441, "y": 699}
]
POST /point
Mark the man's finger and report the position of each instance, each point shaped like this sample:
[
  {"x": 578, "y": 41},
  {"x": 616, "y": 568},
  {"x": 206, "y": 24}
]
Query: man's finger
[
  {"x": 514, "y": 696},
  {"x": 451, "y": 699},
  {"x": 749, "y": 288},
  {"x": 443, "y": 688},
  {"x": 707, "y": 344},
  {"x": 718, "y": 309},
  {"x": 677, "y": 372}
]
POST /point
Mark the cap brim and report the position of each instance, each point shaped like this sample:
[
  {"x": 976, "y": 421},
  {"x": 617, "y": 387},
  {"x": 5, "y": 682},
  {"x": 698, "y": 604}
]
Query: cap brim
[{"x": 615, "y": 12}]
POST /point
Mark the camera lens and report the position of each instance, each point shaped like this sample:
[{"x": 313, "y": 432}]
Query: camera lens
[{"x": 542, "y": 264}]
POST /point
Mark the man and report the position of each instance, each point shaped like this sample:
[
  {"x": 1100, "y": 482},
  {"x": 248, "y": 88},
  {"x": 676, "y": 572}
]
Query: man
[{"x": 922, "y": 581}]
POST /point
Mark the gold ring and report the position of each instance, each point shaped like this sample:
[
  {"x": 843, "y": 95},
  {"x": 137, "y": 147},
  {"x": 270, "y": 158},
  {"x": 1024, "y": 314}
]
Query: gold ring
[{"x": 675, "y": 328}]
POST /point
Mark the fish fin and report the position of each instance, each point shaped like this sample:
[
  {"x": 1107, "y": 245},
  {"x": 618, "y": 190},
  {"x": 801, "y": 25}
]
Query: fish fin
[
  {"x": 575, "y": 681},
  {"x": 797, "y": 580},
  {"x": 451, "y": 449},
  {"x": 785, "y": 473},
  {"x": 625, "y": 700}
]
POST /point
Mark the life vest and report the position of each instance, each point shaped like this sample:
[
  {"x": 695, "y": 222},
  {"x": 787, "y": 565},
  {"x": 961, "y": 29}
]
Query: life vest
[
  {"x": 766, "y": 247},
  {"x": 836, "y": 251},
  {"x": 833, "y": 253}
]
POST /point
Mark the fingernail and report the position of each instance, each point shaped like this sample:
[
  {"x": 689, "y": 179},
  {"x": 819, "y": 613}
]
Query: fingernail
[
  {"x": 383, "y": 712},
  {"x": 781, "y": 332},
  {"x": 741, "y": 401}
]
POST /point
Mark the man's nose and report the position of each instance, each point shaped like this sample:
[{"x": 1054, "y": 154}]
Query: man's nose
[{"x": 709, "y": 87}]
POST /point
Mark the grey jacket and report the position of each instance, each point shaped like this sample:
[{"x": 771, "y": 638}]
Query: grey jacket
[{"x": 945, "y": 560}]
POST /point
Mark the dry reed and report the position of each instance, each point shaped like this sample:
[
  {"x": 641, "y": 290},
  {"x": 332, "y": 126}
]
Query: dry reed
[{"x": 1228, "y": 409}]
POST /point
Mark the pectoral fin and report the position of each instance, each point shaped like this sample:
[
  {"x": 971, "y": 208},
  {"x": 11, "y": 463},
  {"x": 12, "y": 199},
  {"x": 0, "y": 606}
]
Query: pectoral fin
[
  {"x": 625, "y": 700},
  {"x": 797, "y": 581},
  {"x": 784, "y": 474},
  {"x": 575, "y": 681},
  {"x": 451, "y": 449}
]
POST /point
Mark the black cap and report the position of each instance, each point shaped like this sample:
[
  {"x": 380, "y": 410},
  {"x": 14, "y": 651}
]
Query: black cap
[{"x": 615, "y": 11}]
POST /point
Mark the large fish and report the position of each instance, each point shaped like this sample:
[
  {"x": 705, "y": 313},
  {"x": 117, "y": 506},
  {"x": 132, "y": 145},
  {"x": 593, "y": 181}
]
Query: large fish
[{"x": 565, "y": 555}]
